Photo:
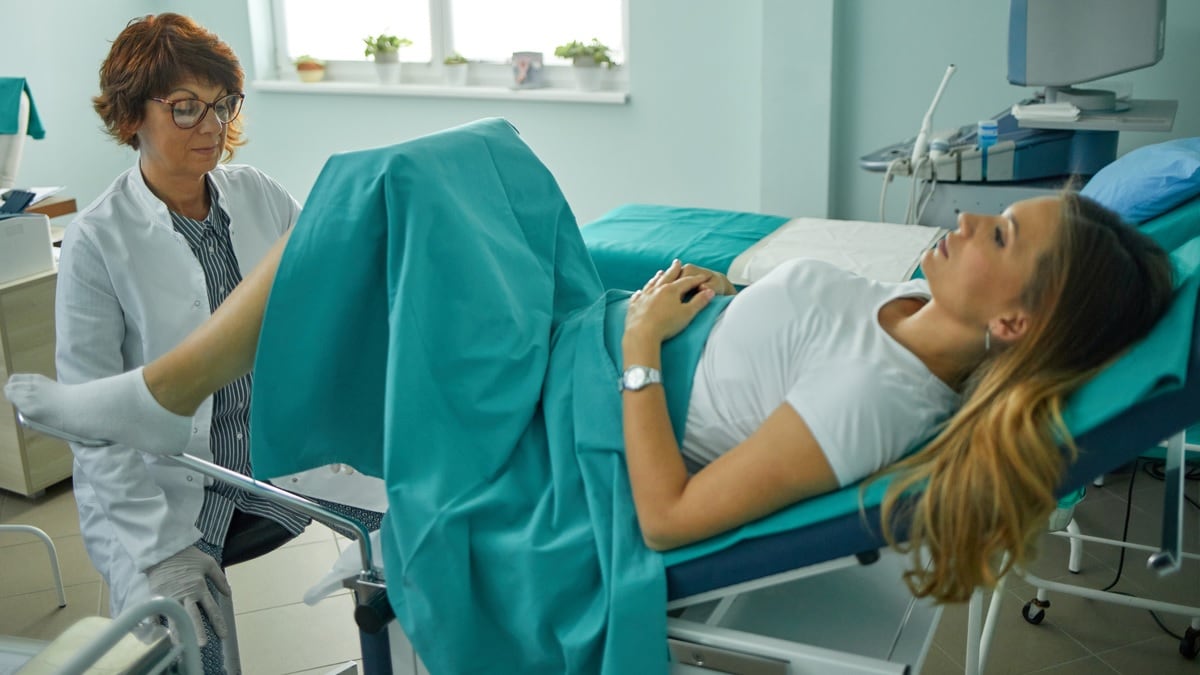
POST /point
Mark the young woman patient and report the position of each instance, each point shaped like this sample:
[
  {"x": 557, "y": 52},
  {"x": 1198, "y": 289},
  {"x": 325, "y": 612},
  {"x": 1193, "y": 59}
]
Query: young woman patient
[{"x": 811, "y": 379}]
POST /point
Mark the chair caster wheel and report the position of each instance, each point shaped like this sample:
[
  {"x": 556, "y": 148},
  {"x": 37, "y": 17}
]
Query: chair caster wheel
[
  {"x": 1035, "y": 618},
  {"x": 1189, "y": 646}
]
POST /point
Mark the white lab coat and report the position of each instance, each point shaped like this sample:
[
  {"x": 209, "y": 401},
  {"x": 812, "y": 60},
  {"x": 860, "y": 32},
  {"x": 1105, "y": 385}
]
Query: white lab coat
[{"x": 129, "y": 289}]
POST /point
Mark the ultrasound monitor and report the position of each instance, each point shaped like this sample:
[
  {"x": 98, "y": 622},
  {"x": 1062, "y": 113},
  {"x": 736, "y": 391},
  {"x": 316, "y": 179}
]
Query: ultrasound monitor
[{"x": 1059, "y": 43}]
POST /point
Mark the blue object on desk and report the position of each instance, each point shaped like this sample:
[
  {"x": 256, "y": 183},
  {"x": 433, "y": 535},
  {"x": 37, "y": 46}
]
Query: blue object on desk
[
  {"x": 10, "y": 107},
  {"x": 15, "y": 201}
]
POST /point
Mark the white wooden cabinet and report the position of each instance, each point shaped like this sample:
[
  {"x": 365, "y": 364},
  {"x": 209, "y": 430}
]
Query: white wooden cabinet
[{"x": 29, "y": 461}]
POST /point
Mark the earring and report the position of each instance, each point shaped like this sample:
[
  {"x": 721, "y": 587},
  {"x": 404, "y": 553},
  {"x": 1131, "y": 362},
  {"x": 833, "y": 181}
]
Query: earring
[{"x": 987, "y": 339}]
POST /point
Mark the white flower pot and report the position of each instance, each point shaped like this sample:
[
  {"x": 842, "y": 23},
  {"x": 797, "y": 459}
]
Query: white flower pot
[
  {"x": 389, "y": 73},
  {"x": 588, "y": 77},
  {"x": 387, "y": 65},
  {"x": 456, "y": 74}
]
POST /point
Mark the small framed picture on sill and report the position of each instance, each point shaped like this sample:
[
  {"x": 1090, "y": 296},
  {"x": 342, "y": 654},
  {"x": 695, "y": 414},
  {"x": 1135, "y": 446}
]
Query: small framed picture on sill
[{"x": 527, "y": 70}]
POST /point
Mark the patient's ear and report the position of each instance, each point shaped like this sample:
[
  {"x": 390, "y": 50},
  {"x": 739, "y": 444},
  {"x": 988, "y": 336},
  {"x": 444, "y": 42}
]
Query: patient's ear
[{"x": 1009, "y": 327}]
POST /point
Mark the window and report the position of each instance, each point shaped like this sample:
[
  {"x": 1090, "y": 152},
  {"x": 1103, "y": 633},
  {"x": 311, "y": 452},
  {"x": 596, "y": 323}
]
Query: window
[
  {"x": 486, "y": 32},
  {"x": 334, "y": 31}
]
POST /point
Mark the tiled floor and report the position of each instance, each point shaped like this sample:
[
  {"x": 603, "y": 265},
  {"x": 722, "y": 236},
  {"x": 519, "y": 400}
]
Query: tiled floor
[
  {"x": 1085, "y": 636},
  {"x": 279, "y": 634}
]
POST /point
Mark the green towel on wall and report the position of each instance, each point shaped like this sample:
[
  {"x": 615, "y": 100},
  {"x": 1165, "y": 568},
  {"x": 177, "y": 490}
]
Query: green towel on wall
[
  {"x": 10, "y": 107},
  {"x": 437, "y": 321}
]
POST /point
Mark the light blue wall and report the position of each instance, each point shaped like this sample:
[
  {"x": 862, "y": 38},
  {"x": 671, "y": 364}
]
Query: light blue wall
[
  {"x": 754, "y": 105},
  {"x": 890, "y": 57},
  {"x": 681, "y": 139},
  {"x": 59, "y": 48}
]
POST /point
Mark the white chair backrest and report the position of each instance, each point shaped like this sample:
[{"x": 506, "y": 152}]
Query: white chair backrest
[
  {"x": 25, "y": 247},
  {"x": 12, "y": 144}
]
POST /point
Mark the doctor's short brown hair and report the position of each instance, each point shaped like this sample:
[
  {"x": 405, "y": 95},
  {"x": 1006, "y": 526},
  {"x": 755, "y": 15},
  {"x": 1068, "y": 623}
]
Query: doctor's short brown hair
[{"x": 150, "y": 57}]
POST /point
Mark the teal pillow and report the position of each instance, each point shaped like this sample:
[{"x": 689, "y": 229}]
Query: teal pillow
[{"x": 1149, "y": 181}]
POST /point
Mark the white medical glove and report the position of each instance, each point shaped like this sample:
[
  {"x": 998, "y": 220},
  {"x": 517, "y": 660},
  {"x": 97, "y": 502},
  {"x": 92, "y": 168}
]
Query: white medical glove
[{"x": 183, "y": 577}]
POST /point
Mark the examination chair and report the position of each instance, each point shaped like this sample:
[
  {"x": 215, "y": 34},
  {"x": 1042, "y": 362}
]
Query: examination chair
[
  {"x": 633, "y": 241},
  {"x": 712, "y": 586},
  {"x": 735, "y": 601},
  {"x": 761, "y": 569}
]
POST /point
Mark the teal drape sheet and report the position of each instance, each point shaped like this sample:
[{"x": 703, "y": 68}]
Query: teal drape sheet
[
  {"x": 10, "y": 102},
  {"x": 436, "y": 321}
]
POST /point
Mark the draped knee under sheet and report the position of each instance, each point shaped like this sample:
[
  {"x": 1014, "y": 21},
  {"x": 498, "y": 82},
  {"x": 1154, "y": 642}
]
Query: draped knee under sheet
[{"x": 436, "y": 320}]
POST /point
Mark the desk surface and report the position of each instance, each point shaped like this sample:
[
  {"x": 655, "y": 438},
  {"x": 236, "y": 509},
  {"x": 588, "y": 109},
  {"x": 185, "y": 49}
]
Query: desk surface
[{"x": 53, "y": 207}]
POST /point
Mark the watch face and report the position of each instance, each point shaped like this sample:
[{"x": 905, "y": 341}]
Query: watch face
[
  {"x": 636, "y": 378},
  {"x": 639, "y": 377}
]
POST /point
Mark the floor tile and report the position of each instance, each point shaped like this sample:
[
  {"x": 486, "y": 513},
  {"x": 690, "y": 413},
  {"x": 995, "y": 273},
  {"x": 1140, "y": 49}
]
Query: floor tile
[
  {"x": 105, "y": 598},
  {"x": 1145, "y": 527},
  {"x": 1086, "y": 666},
  {"x": 281, "y": 577},
  {"x": 1158, "y": 655},
  {"x": 38, "y": 616},
  {"x": 324, "y": 670},
  {"x": 1053, "y": 556},
  {"x": 298, "y": 637},
  {"x": 1181, "y": 586},
  {"x": 1017, "y": 647},
  {"x": 27, "y": 566},
  {"x": 314, "y": 533},
  {"x": 1095, "y": 624},
  {"x": 54, "y": 512},
  {"x": 1101, "y": 516},
  {"x": 937, "y": 662}
]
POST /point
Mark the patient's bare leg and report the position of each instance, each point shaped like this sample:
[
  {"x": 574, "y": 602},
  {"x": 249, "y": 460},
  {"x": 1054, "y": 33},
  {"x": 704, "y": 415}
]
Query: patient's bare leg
[{"x": 150, "y": 408}]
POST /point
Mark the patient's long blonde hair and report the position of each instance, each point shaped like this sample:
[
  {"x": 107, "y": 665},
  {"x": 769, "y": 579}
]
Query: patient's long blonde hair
[{"x": 989, "y": 478}]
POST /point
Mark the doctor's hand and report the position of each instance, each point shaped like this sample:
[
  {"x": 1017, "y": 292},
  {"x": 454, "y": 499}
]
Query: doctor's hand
[
  {"x": 666, "y": 304},
  {"x": 184, "y": 577}
]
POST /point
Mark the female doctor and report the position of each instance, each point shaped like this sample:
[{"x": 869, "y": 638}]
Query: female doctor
[{"x": 141, "y": 267}]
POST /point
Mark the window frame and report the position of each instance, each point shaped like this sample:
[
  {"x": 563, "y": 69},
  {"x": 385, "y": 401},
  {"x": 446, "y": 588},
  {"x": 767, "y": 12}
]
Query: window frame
[{"x": 430, "y": 76}]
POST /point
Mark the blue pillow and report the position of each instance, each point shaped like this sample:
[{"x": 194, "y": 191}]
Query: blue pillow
[{"x": 1149, "y": 181}]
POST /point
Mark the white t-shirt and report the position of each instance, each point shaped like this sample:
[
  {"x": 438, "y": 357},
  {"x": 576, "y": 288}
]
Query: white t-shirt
[{"x": 808, "y": 333}]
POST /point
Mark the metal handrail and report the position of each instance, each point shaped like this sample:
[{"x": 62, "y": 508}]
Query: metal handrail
[
  {"x": 346, "y": 526},
  {"x": 184, "y": 628}
]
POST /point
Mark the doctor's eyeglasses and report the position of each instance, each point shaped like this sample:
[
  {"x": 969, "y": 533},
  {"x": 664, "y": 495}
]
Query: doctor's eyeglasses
[{"x": 188, "y": 112}]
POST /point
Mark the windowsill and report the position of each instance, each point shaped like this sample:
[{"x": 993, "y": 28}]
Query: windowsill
[{"x": 562, "y": 95}]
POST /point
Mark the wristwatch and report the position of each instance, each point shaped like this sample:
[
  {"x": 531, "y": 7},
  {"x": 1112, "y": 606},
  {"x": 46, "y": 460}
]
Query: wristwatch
[{"x": 637, "y": 378}]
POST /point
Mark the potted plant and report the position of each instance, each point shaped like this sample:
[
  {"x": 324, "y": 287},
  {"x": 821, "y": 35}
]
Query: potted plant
[
  {"x": 587, "y": 59},
  {"x": 385, "y": 49},
  {"x": 309, "y": 69},
  {"x": 456, "y": 69}
]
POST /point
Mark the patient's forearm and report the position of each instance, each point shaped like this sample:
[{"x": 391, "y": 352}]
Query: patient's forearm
[
  {"x": 222, "y": 349},
  {"x": 657, "y": 474}
]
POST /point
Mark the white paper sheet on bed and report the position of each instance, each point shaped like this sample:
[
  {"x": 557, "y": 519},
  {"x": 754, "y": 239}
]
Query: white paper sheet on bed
[{"x": 883, "y": 251}]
